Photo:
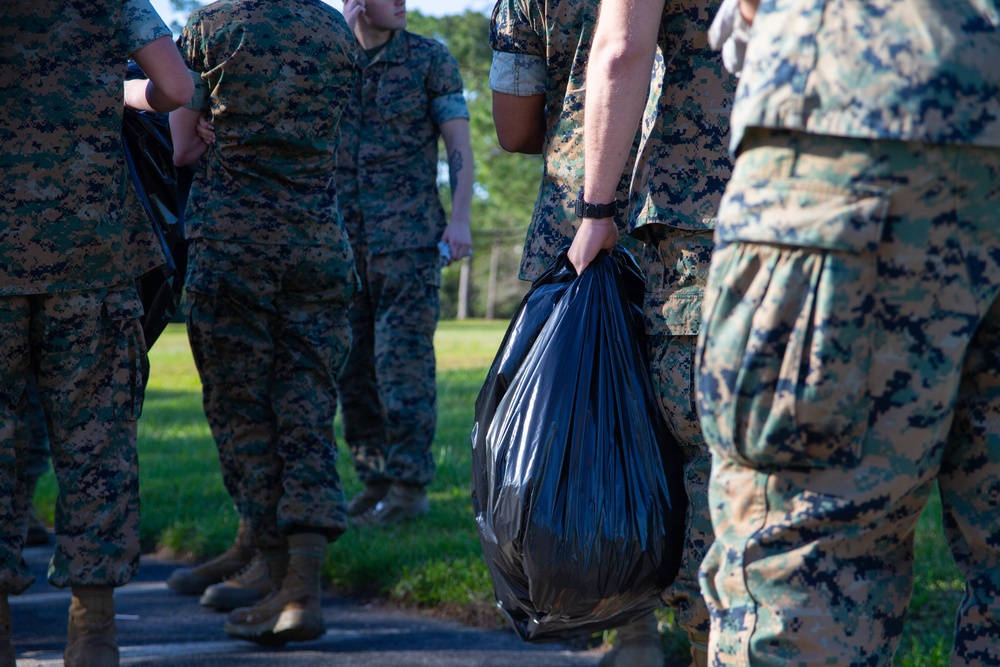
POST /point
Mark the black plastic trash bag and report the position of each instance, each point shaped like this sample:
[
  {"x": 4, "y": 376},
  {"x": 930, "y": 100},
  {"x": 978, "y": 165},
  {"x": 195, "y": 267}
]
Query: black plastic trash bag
[
  {"x": 149, "y": 157},
  {"x": 577, "y": 487}
]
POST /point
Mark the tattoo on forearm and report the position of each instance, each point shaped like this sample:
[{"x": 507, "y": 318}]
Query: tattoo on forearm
[{"x": 454, "y": 166}]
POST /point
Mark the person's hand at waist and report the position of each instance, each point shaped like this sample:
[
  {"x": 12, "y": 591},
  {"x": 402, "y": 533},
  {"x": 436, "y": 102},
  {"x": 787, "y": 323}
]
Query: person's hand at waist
[{"x": 205, "y": 130}]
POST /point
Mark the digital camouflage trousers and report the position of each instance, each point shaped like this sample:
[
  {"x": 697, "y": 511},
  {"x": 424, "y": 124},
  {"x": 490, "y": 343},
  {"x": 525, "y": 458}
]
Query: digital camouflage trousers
[
  {"x": 849, "y": 360},
  {"x": 676, "y": 264},
  {"x": 86, "y": 351},
  {"x": 268, "y": 329},
  {"x": 388, "y": 387}
]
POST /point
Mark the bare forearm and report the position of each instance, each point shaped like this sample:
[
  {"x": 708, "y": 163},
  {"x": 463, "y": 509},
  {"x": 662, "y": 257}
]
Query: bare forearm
[
  {"x": 460, "y": 177},
  {"x": 168, "y": 84},
  {"x": 144, "y": 95},
  {"x": 617, "y": 83},
  {"x": 460, "y": 167},
  {"x": 617, "y": 88}
]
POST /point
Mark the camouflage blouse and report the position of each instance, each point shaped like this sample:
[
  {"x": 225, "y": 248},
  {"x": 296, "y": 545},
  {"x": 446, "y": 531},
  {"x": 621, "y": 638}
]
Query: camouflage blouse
[
  {"x": 387, "y": 166},
  {"x": 62, "y": 65},
  {"x": 279, "y": 76},
  {"x": 888, "y": 69},
  {"x": 681, "y": 166}
]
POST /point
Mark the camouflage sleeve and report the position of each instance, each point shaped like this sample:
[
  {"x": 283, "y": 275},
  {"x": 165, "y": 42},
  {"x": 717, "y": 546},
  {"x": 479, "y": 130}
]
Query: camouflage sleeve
[
  {"x": 190, "y": 44},
  {"x": 444, "y": 89},
  {"x": 142, "y": 24},
  {"x": 200, "y": 100},
  {"x": 190, "y": 49},
  {"x": 512, "y": 29},
  {"x": 519, "y": 66},
  {"x": 518, "y": 74}
]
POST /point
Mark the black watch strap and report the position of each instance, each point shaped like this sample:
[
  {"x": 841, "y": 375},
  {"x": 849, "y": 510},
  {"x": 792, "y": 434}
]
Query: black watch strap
[{"x": 596, "y": 211}]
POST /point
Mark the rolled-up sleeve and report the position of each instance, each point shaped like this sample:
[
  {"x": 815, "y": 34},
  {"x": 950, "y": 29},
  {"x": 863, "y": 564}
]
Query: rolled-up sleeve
[
  {"x": 518, "y": 74},
  {"x": 445, "y": 88},
  {"x": 449, "y": 107}
]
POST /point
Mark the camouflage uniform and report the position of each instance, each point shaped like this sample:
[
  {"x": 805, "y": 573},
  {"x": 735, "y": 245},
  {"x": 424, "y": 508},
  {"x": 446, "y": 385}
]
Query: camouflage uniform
[
  {"x": 68, "y": 311},
  {"x": 848, "y": 357},
  {"x": 387, "y": 175},
  {"x": 681, "y": 169},
  {"x": 541, "y": 48},
  {"x": 270, "y": 273}
]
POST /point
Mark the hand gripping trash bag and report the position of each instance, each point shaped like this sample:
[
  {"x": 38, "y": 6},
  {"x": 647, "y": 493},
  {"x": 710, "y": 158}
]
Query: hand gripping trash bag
[{"x": 576, "y": 485}]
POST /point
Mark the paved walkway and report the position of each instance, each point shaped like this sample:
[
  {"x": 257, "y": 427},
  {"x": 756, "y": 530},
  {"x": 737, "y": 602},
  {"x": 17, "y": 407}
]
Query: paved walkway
[{"x": 158, "y": 627}]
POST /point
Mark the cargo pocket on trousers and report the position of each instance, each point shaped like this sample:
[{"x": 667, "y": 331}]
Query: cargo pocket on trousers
[
  {"x": 787, "y": 346},
  {"x": 127, "y": 349}
]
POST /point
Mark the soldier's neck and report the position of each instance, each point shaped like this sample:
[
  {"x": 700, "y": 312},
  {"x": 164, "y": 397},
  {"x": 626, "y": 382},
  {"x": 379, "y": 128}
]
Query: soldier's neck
[{"x": 372, "y": 38}]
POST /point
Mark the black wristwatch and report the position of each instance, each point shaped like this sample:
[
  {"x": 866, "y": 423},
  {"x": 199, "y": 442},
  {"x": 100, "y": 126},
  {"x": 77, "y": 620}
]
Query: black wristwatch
[{"x": 596, "y": 211}]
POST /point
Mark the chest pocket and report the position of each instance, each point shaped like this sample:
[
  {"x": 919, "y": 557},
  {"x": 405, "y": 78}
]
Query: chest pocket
[{"x": 404, "y": 108}]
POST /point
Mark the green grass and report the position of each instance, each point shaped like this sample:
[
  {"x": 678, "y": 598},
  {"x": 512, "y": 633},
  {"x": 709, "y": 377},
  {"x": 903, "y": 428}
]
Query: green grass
[
  {"x": 435, "y": 562},
  {"x": 187, "y": 512},
  {"x": 937, "y": 591}
]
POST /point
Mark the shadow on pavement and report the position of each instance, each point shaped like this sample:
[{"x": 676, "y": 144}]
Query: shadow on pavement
[{"x": 159, "y": 627}]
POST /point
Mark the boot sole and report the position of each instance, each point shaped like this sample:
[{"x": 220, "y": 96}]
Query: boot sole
[
  {"x": 188, "y": 585},
  {"x": 364, "y": 520},
  {"x": 360, "y": 507},
  {"x": 229, "y": 601},
  {"x": 288, "y": 626}
]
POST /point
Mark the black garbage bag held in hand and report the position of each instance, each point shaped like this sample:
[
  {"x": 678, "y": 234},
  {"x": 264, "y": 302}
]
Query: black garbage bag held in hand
[{"x": 576, "y": 484}]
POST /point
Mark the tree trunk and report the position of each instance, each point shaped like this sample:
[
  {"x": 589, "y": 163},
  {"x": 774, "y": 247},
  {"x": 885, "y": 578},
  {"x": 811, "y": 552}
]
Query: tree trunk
[{"x": 464, "y": 279}]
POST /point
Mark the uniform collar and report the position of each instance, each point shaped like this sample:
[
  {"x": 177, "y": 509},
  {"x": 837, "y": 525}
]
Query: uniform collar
[{"x": 396, "y": 50}]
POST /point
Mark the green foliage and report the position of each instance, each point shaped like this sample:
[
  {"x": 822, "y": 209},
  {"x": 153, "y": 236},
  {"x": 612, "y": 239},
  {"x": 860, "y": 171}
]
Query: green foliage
[
  {"x": 675, "y": 641},
  {"x": 937, "y": 590},
  {"x": 467, "y": 36}
]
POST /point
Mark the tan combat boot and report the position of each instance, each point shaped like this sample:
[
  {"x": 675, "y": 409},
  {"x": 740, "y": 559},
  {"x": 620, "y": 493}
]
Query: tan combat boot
[
  {"x": 292, "y": 613},
  {"x": 367, "y": 499},
  {"x": 638, "y": 645},
  {"x": 402, "y": 503},
  {"x": 6, "y": 647},
  {"x": 194, "y": 580},
  {"x": 90, "y": 638},
  {"x": 248, "y": 586}
]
